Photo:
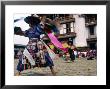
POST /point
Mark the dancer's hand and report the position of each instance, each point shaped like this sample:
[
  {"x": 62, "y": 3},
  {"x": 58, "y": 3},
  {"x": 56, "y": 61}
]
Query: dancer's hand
[{"x": 18, "y": 31}]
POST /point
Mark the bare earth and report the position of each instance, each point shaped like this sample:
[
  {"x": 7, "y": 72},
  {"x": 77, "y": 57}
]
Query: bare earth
[{"x": 80, "y": 67}]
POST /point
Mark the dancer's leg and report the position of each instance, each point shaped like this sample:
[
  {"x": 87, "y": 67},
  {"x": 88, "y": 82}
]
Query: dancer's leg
[{"x": 52, "y": 70}]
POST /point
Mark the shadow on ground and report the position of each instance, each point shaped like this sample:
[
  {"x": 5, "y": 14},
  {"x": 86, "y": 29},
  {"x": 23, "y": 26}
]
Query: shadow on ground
[{"x": 34, "y": 74}]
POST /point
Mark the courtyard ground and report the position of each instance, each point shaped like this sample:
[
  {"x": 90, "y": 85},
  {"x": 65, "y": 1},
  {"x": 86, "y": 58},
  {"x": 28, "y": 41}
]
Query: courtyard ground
[{"x": 80, "y": 67}]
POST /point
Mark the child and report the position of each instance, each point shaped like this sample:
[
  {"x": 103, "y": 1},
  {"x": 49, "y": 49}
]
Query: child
[
  {"x": 24, "y": 62},
  {"x": 20, "y": 66},
  {"x": 67, "y": 56}
]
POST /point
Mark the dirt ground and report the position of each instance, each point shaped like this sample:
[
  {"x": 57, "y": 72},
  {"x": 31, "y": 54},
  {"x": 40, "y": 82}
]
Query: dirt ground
[{"x": 80, "y": 67}]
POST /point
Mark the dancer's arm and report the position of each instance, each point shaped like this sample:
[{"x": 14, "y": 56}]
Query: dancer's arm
[{"x": 18, "y": 31}]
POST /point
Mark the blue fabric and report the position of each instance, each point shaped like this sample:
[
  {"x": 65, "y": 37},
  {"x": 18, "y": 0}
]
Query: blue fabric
[
  {"x": 20, "y": 66},
  {"x": 35, "y": 32},
  {"x": 39, "y": 29},
  {"x": 48, "y": 60}
]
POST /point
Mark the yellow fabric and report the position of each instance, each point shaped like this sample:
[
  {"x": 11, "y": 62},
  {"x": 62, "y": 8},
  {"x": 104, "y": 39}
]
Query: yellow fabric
[
  {"x": 65, "y": 45},
  {"x": 51, "y": 46}
]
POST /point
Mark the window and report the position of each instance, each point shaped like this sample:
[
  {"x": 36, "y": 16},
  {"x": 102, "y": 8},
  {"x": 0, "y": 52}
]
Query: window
[
  {"x": 68, "y": 27},
  {"x": 91, "y": 30}
]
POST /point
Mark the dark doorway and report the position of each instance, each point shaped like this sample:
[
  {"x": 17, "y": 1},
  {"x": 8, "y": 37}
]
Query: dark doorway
[{"x": 92, "y": 45}]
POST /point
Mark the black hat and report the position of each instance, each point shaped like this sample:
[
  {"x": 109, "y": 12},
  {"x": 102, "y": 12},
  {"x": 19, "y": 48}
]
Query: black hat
[{"x": 32, "y": 20}]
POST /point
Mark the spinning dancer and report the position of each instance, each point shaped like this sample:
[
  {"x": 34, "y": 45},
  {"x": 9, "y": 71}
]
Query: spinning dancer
[{"x": 33, "y": 32}]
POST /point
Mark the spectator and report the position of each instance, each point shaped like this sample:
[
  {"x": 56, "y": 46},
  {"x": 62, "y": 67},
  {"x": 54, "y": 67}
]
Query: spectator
[
  {"x": 20, "y": 66},
  {"x": 71, "y": 52}
]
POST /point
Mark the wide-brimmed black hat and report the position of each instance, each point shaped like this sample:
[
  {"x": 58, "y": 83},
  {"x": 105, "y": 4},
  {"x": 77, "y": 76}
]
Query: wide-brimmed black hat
[{"x": 32, "y": 20}]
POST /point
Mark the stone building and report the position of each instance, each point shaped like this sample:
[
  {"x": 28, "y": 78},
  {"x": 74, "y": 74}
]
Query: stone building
[{"x": 79, "y": 29}]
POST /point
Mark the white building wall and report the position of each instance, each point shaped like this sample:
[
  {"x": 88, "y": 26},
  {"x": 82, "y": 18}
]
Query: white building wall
[
  {"x": 81, "y": 32},
  {"x": 72, "y": 27},
  {"x": 63, "y": 29},
  {"x": 87, "y": 32}
]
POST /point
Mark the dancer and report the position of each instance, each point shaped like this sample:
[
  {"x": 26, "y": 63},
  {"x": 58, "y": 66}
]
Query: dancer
[
  {"x": 33, "y": 32},
  {"x": 49, "y": 61}
]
